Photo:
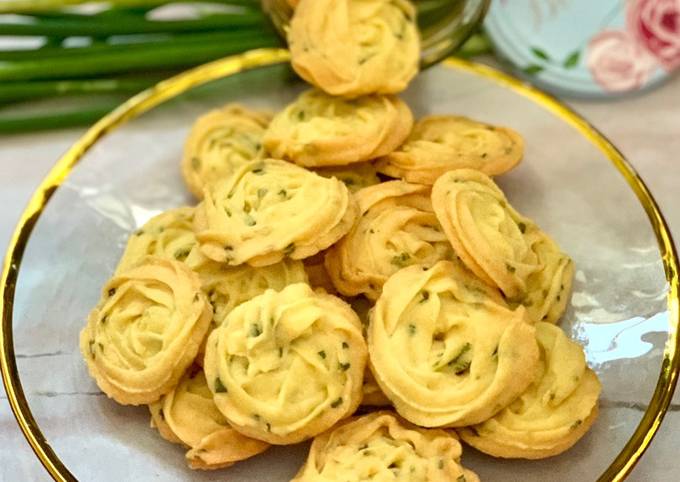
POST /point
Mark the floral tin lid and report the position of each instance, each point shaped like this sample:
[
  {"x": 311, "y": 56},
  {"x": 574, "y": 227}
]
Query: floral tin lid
[{"x": 588, "y": 48}]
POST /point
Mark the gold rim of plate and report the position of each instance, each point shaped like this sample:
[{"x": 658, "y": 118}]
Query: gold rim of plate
[{"x": 165, "y": 90}]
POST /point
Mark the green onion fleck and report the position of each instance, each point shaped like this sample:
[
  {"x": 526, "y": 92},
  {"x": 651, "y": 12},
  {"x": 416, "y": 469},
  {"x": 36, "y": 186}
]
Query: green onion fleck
[
  {"x": 255, "y": 330},
  {"x": 219, "y": 386}
]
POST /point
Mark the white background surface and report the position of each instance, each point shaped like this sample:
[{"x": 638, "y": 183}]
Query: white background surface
[{"x": 645, "y": 128}]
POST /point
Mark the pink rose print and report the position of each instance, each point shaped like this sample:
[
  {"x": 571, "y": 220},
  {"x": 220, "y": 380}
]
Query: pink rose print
[
  {"x": 655, "y": 24},
  {"x": 617, "y": 62}
]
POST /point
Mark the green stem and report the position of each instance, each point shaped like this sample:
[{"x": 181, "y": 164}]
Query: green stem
[
  {"x": 15, "y": 6},
  {"x": 18, "y": 91},
  {"x": 162, "y": 56},
  {"x": 103, "y": 26},
  {"x": 140, "y": 44},
  {"x": 26, "y": 123}
]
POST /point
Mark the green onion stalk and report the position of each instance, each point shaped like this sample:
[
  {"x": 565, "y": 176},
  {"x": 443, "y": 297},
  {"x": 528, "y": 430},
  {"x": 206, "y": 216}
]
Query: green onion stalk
[{"x": 123, "y": 48}]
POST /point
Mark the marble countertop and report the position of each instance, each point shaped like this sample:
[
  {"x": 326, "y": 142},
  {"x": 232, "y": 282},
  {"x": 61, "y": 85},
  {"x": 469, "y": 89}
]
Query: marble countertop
[{"x": 646, "y": 128}]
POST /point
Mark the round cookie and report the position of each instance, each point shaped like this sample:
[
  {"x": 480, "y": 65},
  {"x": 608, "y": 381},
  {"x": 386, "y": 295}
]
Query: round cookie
[
  {"x": 381, "y": 446},
  {"x": 355, "y": 176},
  {"x": 168, "y": 235},
  {"x": 188, "y": 415},
  {"x": 287, "y": 365},
  {"x": 145, "y": 331},
  {"x": 351, "y": 48},
  {"x": 396, "y": 228},
  {"x": 445, "y": 349},
  {"x": 557, "y": 409},
  {"x": 271, "y": 209},
  {"x": 228, "y": 286},
  {"x": 318, "y": 130},
  {"x": 219, "y": 142},
  {"x": 441, "y": 143},
  {"x": 489, "y": 236}
]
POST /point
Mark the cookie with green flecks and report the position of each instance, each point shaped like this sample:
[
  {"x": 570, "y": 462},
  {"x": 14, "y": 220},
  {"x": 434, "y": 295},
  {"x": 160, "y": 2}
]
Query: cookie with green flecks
[
  {"x": 554, "y": 412},
  {"x": 446, "y": 349},
  {"x": 188, "y": 416},
  {"x": 396, "y": 228},
  {"x": 146, "y": 330},
  {"x": 221, "y": 141},
  {"x": 441, "y": 143},
  {"x": 382, "y": 446},
  {"x": 269, "y": 210},
  {"x": 318, "y": 130},
  {"x": 167, "y": 235},
  {"x": 287, "y": 365},
  {"x": 353, "y": 48}
]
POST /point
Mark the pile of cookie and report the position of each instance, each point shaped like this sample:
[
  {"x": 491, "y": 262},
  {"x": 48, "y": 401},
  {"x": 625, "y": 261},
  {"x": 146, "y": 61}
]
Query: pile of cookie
[{"x": 344, "y": 259}]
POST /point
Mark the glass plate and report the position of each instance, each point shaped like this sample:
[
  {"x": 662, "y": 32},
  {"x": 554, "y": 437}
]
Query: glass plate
[{"x": 126, "y": 169}]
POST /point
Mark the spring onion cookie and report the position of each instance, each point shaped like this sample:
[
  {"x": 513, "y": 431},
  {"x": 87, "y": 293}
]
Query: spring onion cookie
[
  {"x": 557, "y": 409},
  {"x": 381, "y": 446},
  {"x": 271, "y": 209},
  {"x": 220, "y": 142},
  {"x": 446, "y": 350},
  {"x": 352, "y": 48},
  {"x": 286, "y": 366},
  {"x": 228, "y": 286},
  {"x": 489, "y": 236},
  {"x": 355, "y": 176},
  {"x": 549, "y": 288},
  {"x": 188, "y": 415},
  {"x": 145, "y": 331},
  {"x": 318, "y": 130},
  {"x": 439, "y": 144},
  {"x": 396, "y": 228},
  {"x": 168, "y": 235}
]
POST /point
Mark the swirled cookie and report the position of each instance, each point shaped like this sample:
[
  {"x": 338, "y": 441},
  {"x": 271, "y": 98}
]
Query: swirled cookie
[
  {"x": 489, "y": 236},
  {"x": 445, "y": 349},
  {"x": 352, "y": 48},
  {"x": 439, "y": 144},
  {"x": 188, "y": 415},
  {"x": 219, "y": 142},
  {"x": 555, "y": 411},
  {"x": 168, "y": 235},
  {"x": 229, "y": 286},
  {"x": 548, "y": 288},
  {"x": 287, "y": 365},
  {"x": 381, "y": 446},
  {"x": 318, "y": 130},
  {"x": 145, "y": 331},
  {"x": 355, "y": 176},
  {"x": 271, "y": 209},
  {"x": 396, "y": 228}
]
